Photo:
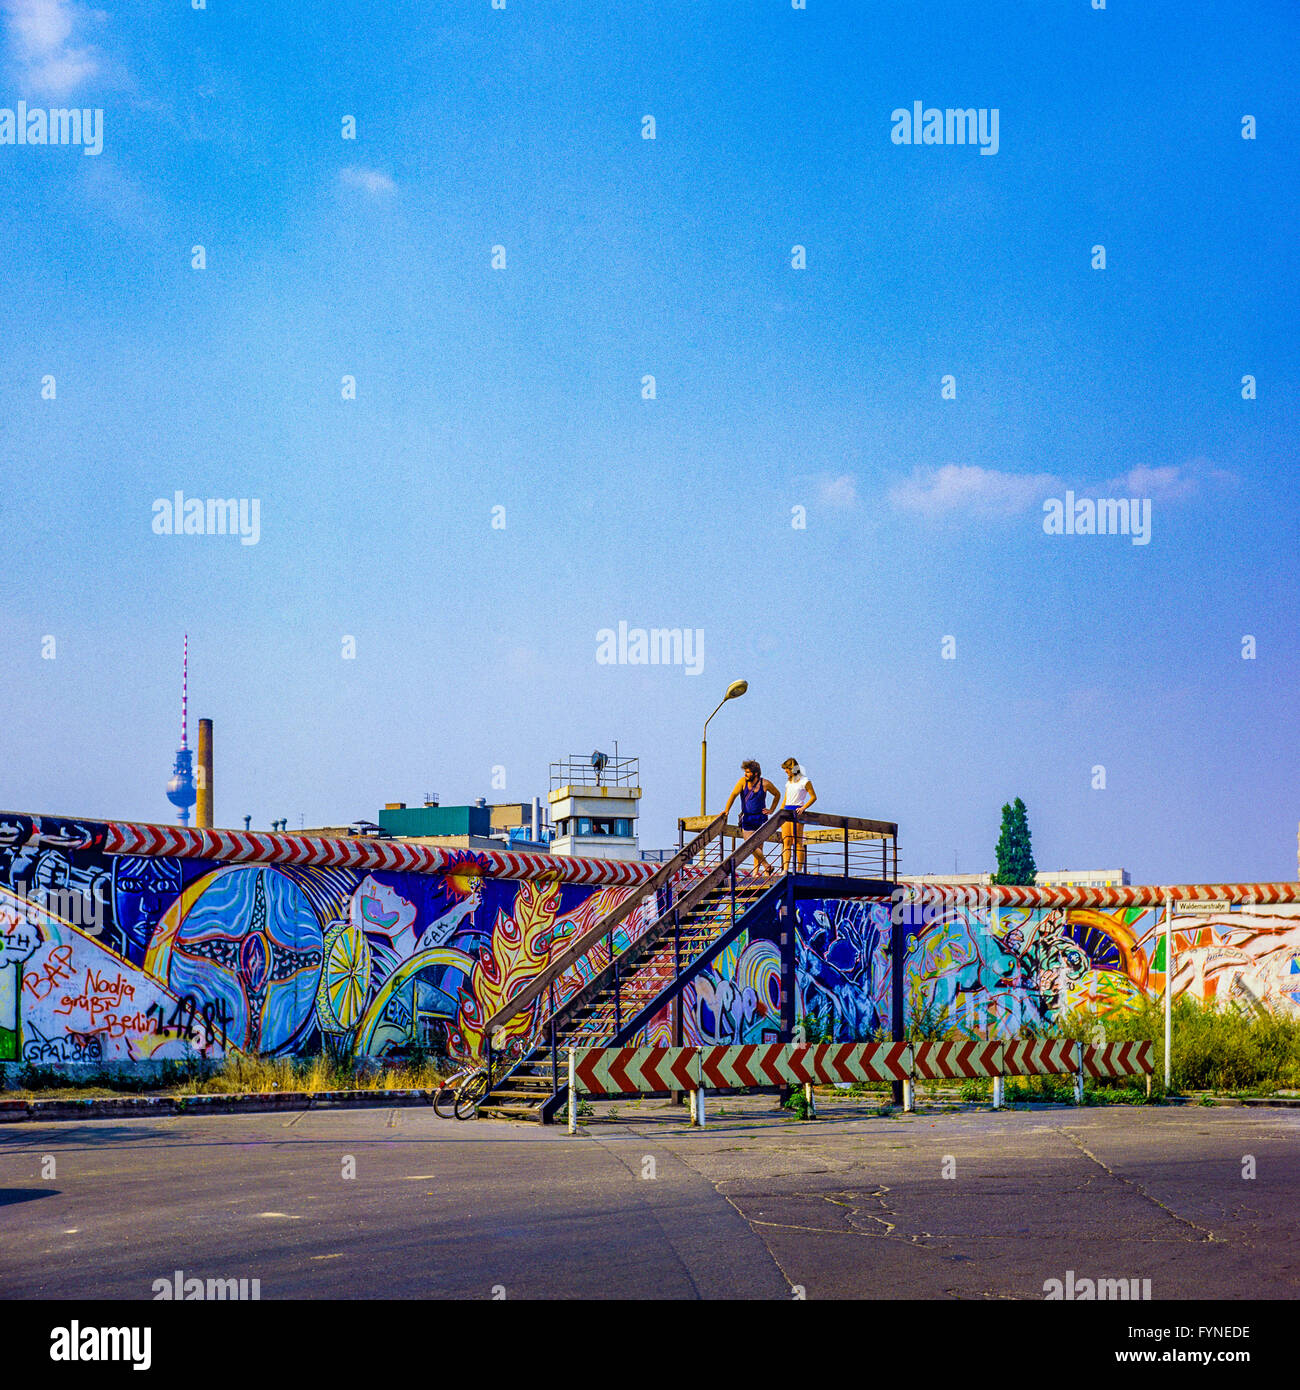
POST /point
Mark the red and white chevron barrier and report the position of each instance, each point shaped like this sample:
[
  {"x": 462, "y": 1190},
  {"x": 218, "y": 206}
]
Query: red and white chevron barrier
[
  {"x": 1125, "y": 895},
  {"x": 801, "y": 1064},
  {"x": 830, "y": 1062},
  {"x": 1040, "y": 1058},
  {"x": 261, "y": 847},
  {"x": 621, "y": 1071},
  {"x": 950, "y": 1061},
  {"x": 615, "y": 1071},
  {"x": 1118, "y": 1059},
  {"x": 755, "y": 1064},
  {"x": 628, "y": 1070}
]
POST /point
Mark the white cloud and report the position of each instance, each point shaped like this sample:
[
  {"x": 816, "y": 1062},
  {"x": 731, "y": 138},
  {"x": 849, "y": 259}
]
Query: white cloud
[
  {"x": 44, "y": 43},
  {"x": 971, "y": 491},
  {"x": 838, "y": 492},
  {"x": 1170, "y": 482},
  {"x": 373, "y": 181}
]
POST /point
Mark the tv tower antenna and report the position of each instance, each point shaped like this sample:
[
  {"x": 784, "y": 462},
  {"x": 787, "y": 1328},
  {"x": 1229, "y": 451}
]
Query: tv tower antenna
[{"x": 181, "y": 791}]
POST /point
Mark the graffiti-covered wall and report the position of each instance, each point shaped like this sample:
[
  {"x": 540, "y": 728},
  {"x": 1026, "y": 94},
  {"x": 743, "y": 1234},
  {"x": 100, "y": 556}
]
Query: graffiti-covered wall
[
  {"x": 122, "y": 943},
  {"x": 737, "y": 1000},
  {"x": 993, "y": 971},
  {"x": 986, "y": 971},
  {"x": 128, "y": 958}
]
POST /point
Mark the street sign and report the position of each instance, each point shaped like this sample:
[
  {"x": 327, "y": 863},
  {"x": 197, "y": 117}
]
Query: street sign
[{"x": 1187, "y": 906}]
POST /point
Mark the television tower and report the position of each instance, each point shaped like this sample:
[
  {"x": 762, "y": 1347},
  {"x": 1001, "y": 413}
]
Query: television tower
[{"x": 180, "y": 790}]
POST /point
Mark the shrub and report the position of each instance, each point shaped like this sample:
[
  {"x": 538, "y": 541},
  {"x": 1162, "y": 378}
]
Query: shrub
[{"x": 1216, "y": 1047}]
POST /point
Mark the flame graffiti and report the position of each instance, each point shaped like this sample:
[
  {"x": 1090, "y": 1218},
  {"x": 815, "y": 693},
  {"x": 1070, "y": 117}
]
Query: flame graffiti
[
  {"x": 520, "y": 947},
  {"x": 582, "y": 919}
]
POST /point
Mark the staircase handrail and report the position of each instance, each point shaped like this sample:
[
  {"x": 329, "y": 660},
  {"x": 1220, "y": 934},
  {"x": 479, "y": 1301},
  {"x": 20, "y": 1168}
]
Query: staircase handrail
[
  {"x": 581, "y": 945},
  {"x": 699, "y": 889}
]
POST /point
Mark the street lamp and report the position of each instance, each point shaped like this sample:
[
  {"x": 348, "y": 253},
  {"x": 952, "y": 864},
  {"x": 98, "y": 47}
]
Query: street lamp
[{"x": 734, "y": 691}]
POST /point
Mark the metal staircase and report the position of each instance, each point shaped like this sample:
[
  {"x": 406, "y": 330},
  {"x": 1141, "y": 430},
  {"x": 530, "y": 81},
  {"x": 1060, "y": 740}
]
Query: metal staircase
[{"x": 705, "y": 901}]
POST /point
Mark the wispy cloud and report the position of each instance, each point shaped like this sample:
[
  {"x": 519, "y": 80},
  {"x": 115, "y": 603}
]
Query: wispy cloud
[
  {"x": 372, "y": 181},
  {"x": 971, "y": 491},
  {"x": 1171, "y": 482},
  {"x": 45, "y": 43},
  {"x": 841, "y": 491}
]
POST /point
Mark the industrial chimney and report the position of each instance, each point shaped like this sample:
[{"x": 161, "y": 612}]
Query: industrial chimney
[{"x": 203, "y": 810}]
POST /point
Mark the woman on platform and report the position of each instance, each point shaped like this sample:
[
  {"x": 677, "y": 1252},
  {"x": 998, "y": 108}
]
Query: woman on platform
[{"x": 799, "y": 797}]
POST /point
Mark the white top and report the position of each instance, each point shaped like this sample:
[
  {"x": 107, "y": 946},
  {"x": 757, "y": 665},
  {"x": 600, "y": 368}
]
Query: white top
[{"x": 796, "y": 791}]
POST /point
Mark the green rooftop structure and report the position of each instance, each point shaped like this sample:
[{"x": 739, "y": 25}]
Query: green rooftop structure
[{"x": 411, "y": 822}]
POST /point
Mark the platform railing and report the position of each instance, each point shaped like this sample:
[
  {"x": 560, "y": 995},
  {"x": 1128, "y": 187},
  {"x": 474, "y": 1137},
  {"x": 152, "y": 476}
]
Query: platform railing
[
  {"x": 823, "y": 844},
  {"x": 807, "y": 842}
]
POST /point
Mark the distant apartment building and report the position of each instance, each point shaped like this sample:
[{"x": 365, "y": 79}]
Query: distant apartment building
[
  {"x": 1081, "y": 878},
  {"x": 1045, "y": 878}
]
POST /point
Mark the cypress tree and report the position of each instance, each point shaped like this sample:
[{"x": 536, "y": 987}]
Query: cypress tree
[{"x": 1015, "y": 852}]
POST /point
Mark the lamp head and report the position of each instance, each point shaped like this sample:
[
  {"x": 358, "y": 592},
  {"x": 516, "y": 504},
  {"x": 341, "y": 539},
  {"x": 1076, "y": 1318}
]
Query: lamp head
[{"x": 736, "y": 689}]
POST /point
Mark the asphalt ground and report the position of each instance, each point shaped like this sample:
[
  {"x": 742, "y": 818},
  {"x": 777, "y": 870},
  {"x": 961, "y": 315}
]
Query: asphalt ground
[{"x": 963, "y": 1205}]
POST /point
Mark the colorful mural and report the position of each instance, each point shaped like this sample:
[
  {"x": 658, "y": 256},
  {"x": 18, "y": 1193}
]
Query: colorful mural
[
  {"x": 121, "y": 958},
  {"x": 993, "y": 972},
  {"x": 737, "y": 1001},
  {"x": 140, "y": 957},
  {"x": 842, "y": 969}
]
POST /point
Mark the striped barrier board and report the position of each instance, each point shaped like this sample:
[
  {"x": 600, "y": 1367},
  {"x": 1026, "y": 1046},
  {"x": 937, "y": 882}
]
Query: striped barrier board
[
  {"x": 616, "y": 1071},
  {"x": 1119, "y": 1059},
  {"x": 753, "y": 1064},
  {"x": 950, "y": 1061},
  {"x": 260, "y": 847},
  {"x": 860, "y": 1061},
  {"x": 621, "y": 1071},
  {"x": 1040, "y": 1058},
  {"x": 779, "y": 1064}
]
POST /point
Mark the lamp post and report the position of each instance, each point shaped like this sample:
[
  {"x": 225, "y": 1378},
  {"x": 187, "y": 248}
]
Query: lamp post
[{"x": 734, "y": 691}]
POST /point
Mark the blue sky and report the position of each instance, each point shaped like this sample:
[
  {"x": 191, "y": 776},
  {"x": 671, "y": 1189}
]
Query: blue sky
[{"x": 776, "y": 388}]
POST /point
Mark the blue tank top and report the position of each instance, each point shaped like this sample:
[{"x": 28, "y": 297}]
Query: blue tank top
[{"x": 751, "y": 802}]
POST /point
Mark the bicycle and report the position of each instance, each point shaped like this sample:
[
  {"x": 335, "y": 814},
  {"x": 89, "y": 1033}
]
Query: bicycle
[
  {"x": 470, "y": 1093},
  {"x": 447, "y": 1091},
  {"x": 462, "y": 1092}
]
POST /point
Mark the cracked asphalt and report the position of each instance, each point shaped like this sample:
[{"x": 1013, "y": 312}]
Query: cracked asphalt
[{"x": 966, "y": 1205}]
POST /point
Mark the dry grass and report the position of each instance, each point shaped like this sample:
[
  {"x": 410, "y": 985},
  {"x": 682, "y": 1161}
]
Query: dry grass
[{"x": 237, "y": 1073}]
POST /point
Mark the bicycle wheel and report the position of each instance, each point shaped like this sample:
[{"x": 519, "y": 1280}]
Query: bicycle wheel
[
  {"x": 469, "y": 1096},
  {"x": 444, "y": 1101}
]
